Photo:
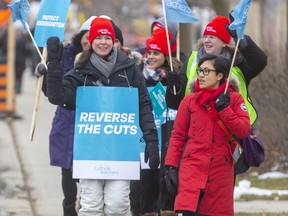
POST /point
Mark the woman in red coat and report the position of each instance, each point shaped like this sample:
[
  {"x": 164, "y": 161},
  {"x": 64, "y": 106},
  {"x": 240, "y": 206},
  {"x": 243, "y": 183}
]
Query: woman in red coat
[{"x": 199, "y": 147}]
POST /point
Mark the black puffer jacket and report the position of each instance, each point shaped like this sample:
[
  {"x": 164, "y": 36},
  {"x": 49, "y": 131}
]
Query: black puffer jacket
[{"x": 63, "y": 91}]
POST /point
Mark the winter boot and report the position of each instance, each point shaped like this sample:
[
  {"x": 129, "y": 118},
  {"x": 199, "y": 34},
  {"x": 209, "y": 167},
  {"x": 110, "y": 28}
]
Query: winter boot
[
  {"x": 150, "y": 214},
  {"x": 69, "y": 210},
  {"x": 168, "y": 213}
]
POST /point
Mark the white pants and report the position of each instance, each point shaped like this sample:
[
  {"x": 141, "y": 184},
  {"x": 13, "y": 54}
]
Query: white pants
[{"x": 104, "y": 197}]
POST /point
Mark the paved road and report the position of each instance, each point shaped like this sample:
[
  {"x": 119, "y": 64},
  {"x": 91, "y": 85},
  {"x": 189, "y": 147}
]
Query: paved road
[
  {"x": 29, "y": 186},
  {"x": 27, "y": 163}
]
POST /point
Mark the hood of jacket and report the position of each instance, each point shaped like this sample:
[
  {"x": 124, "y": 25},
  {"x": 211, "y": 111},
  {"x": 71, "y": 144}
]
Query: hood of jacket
[{"x": 172, "y": 27}]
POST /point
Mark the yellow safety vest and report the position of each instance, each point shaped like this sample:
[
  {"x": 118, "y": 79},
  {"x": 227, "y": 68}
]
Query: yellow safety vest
[{"x": 191, "y": 74}]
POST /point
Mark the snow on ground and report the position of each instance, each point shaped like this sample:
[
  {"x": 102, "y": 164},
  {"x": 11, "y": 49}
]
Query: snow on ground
[
  {"x": 273, "y": 175},
  {"x": 244, "y": 186}
]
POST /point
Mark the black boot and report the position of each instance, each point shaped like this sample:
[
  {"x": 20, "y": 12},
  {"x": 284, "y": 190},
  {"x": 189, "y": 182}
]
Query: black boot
[{"x": 69, "y": 210}]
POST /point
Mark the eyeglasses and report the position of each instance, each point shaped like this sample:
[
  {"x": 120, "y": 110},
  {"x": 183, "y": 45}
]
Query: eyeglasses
[{"x": 205, "y": 71}]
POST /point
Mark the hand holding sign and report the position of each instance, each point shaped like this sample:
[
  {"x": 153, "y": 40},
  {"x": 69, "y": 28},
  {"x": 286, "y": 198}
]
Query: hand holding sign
[{"x": 152, "y": 154}]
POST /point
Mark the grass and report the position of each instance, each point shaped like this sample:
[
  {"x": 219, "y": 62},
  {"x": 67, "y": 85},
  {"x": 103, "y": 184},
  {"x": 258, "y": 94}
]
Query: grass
[{"x": 270, "y": 184}]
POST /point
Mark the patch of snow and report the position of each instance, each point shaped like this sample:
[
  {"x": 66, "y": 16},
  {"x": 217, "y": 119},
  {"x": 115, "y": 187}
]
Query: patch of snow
[
  {"x": 244, "y": 187},
  {"x": 273, "y": 175}
]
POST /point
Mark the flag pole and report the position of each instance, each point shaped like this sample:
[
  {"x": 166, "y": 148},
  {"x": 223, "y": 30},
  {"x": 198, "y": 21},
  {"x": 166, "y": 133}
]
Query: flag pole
[
  {"x": 178, "y": 43},
  {"x": 36, "y": 46},
  {"x": 168, "y": 42},
  {"x": 232, "y": 63},
  {"x": 39, "y": 85},
  {"x": 36, "y": 101}
]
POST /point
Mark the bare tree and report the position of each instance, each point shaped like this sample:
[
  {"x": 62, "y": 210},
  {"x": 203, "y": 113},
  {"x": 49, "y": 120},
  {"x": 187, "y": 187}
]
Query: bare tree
[{"x": 222, "y": 7}]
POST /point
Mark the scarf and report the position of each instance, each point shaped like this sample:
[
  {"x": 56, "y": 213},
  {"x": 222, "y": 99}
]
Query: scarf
[
  {"x": 207, "y": 97},
  {"x": 105, "y": 66},
  {"x": 202, "y": 53}
]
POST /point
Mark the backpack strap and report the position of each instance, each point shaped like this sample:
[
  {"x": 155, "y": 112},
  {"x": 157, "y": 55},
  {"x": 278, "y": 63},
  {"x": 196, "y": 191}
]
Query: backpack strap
[
  {"x": 236, "y": 149},
  {"x": 220, "y": 122}
]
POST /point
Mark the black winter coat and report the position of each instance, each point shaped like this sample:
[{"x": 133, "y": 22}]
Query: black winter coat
[{"x": 125, "y": 74}]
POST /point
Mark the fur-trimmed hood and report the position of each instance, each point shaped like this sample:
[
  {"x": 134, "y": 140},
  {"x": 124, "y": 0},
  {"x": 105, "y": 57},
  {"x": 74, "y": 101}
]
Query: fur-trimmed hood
[
  {"x": 137, "y": 56},
  {"x": 233, "y": 82}
]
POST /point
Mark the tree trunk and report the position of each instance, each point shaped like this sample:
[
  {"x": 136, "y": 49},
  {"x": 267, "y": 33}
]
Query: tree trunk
[{"x": 222, "y": 7}]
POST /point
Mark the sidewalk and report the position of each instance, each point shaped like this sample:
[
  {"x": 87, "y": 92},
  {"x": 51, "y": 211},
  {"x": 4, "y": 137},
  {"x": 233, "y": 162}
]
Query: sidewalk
[{"x": 24, "y": 165}]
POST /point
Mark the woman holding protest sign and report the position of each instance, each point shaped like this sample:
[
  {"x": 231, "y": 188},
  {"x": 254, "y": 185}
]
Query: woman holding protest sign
[
  {"x": 102, "y": 65},
  {"x": 200, "y": 152},
  {"x": 156, "y": 69},
  {"x": 61, "y": 136}
]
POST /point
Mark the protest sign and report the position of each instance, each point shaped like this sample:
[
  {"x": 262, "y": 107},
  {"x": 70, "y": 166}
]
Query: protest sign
[
  {"x": 51, "y": 20},
  {"x": 107, "y": 133}
]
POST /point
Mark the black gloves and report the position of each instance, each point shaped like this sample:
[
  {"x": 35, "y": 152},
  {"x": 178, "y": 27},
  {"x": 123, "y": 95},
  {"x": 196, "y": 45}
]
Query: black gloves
[
  {"x": 151, "y": 149},
  {"x": 54, "y": 49},
  {"x": 40, "y": 70},
  {"x": 171, "y": 179},
  {"x": 173, "y": 79},
  {"x": 233, "y": 33},
  {"x": 222, "y": 101},
  {"x": 152, "y": 153}
]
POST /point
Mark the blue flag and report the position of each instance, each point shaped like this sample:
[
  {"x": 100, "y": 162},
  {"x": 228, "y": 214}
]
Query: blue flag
[
  {"x": 20, "y": 10},
  {"x": 51, "y": 20},
  {"x": 240, "y": 15},
  {"x": 178, "y": 11}
]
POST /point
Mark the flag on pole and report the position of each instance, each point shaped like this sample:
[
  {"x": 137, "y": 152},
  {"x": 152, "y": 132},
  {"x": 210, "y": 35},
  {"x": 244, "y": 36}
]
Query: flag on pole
[
  {"x": 20, "y": 10},
  {"x": 51, "y": 20},
  {"x": 240, "y": 17},
  {"x": 179, "y": 11}
]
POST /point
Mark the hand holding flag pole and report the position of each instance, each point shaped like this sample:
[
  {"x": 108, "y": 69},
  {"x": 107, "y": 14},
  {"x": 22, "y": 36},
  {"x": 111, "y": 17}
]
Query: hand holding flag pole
[
  {"x": 239, "y": 17},
  {"x": 176, "y": 11},
  {"x": 36, "y": 101},
  {"x": 20, "y": 10}
]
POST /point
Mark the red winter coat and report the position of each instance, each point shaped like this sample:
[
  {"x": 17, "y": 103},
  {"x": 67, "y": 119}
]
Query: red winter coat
[{"x": 205, "y": 162}]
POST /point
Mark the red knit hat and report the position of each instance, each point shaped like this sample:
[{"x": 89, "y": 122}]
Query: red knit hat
[
  {"x": 101, "y": 26},
  {"x": 158, "y": 42},
  {"x": 217, "y": 28}
]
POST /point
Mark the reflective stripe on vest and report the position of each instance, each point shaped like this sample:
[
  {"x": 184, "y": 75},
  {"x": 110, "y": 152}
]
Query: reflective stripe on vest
[{"x": 191, "y": 74}]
